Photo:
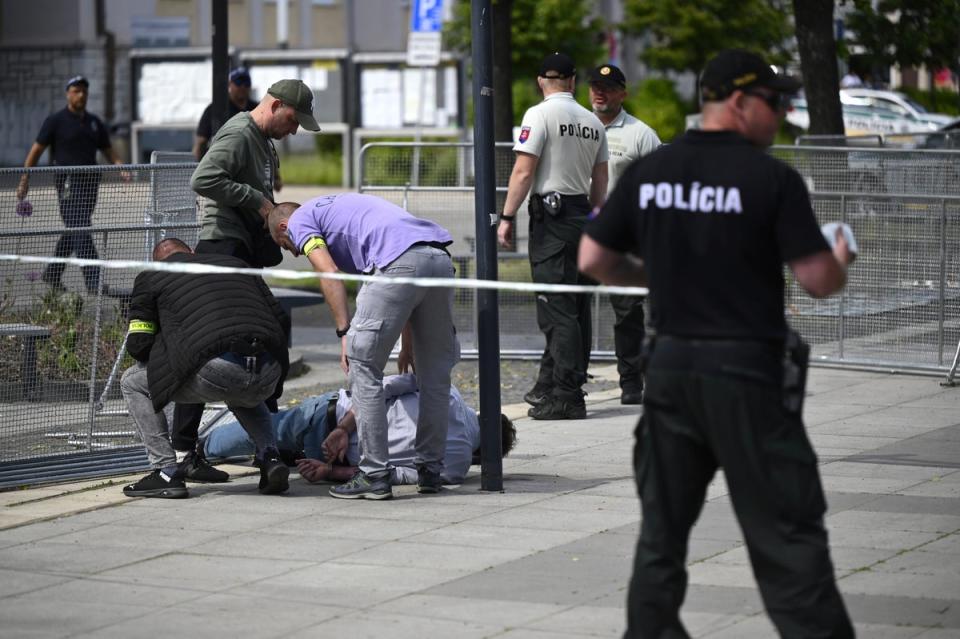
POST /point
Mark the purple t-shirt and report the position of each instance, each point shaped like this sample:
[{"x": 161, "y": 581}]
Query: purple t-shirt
[{"x": 362, "y": 232}]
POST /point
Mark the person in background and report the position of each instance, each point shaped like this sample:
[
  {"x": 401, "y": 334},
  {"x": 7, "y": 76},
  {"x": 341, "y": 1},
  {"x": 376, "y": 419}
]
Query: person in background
[
  {"x": 627, "y": 140},
  {"x": 73, "y": 135}
]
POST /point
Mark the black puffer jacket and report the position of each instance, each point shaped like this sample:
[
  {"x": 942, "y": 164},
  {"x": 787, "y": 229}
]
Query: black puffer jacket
[{"x": 196, "y": 317}]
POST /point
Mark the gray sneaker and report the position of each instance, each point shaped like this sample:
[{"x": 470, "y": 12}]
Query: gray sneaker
[{"x": 361, "y": 486}]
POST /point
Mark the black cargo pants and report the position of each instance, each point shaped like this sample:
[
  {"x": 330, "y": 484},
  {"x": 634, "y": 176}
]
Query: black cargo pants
[
  {"x": 628, "y": 333},
  {"x": 718, "y": 404},
  {"x": 563, "y": 318}
]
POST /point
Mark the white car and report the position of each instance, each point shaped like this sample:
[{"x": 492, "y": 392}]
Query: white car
[{"x": 867, "y": 111}]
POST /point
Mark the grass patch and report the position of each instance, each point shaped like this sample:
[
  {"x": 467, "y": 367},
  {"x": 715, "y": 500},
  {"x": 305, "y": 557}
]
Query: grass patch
[{"x": 311, "y": 169}]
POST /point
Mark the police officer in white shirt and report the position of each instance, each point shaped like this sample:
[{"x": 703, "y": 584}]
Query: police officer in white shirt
[
  {"x": 627, "y": 139},
  {"x": 561, "y": 160}
]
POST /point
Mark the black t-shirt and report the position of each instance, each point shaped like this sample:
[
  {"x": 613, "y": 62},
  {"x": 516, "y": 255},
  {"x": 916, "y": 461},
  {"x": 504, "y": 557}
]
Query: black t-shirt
[
  {"x": 73, "y": 138},
  {"x": 714, "y": 219},
  {"x": 205, "y": 126}
]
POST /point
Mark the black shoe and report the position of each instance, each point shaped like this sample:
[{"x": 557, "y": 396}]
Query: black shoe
[
  {"x": 290, "y": 457},
  {"x": 274, "y": 474},
  {"x": 558, "y": 408},
  {"x": 157, "y": 484},
  {"x": 195, "y": 467},
  {"x": 631, "y": 396},
  {"x": 537, "y": 395},
  {"x": 428, "y": 481}
]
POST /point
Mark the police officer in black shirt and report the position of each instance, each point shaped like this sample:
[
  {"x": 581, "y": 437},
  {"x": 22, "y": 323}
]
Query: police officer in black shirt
[
  {"x": 238, "y": 90},
  {"x": 74, "y": 135},
  {"x": 712, "y": 219}
]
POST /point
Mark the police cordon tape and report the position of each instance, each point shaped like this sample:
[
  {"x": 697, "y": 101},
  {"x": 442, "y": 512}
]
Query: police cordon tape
[{"x": 434, "y": 282}]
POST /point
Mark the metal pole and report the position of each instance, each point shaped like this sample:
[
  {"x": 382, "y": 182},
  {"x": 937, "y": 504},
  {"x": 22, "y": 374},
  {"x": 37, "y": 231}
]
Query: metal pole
[
  {"x": 221, "y": 63},
  {"x": 485, "y": 199},
  {"x": 943, "y": 278},
  {"x": 94, "y": 359}
]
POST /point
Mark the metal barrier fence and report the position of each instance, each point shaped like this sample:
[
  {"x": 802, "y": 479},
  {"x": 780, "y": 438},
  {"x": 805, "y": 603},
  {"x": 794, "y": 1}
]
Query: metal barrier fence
[
  {"x": 900, "y": 309},
  {"x": 62, "y": 331},
  {"x": 61, "y": 349}
]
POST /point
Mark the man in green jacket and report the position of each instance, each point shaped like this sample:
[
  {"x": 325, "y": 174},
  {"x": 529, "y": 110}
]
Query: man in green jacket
[{"x": 236, "y": 176}]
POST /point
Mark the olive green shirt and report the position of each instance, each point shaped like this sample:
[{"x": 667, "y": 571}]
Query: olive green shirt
[{"x": 235, "y": 176}]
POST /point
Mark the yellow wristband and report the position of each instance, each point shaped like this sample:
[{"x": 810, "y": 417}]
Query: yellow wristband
[{"x": 141, "y": 326}]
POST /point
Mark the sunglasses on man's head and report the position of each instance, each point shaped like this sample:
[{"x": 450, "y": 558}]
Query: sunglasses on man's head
[{"x": 776, "y": 101}]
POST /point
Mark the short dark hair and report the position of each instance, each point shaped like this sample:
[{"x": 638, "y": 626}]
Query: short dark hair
[{"x": 508, "y": 439}]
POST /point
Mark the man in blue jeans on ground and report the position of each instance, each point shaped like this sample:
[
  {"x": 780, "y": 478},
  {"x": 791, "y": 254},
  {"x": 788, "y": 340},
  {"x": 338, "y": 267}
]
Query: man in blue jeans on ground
[
  {"x": 357, "y": 233},
  {"x": 323, "y": 430}
]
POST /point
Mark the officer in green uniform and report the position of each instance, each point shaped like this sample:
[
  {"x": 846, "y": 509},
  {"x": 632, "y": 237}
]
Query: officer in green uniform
[
  {"x": 561, "y": 156},
  {"x": 711, "y": 219},
  {"x": 627, "y": 139}
]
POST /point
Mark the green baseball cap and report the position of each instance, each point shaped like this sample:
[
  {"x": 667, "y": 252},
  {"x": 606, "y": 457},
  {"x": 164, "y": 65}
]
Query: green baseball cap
[{"x": 300, "y": 97}]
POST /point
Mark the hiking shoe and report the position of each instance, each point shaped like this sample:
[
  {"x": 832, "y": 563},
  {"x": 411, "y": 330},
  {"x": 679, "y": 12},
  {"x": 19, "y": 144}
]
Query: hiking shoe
[
  {"x": 537, "y": 395},
  {"x": 558, "y": 408},
  {"x": 196, "y": 468},
  {"x": 428, "y": 482},
  {"x": 157, "y": 484},
  {"x": 274, "y": 474},
  {"x": 631, "y": 395},
  {"x": 362, "y": 486}
]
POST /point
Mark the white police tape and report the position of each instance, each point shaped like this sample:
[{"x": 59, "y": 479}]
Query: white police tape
[{"x": 435, "y": 282}]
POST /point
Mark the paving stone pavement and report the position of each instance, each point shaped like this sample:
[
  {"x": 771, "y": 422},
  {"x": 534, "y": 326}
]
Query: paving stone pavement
[{"x": 548, "y": 557}]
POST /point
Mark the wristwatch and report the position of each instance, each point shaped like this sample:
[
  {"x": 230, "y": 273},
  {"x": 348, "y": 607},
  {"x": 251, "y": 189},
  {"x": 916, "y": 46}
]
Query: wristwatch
[
  {"x": 341, "y": 333},
  {"x": 508, "y": 218}
]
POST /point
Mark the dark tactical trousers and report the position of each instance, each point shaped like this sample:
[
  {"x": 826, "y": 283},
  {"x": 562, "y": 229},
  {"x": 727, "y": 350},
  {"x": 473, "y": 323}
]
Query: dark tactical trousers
[
  {"x": 718, "y": 404},
  {"x": 564, "y": 318},
  {"x": 77, "y": 196},
  {"x": 628, "y": 332}
]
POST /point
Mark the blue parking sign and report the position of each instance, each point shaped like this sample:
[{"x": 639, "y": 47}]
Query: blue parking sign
[{"x": 426, "y": 15}]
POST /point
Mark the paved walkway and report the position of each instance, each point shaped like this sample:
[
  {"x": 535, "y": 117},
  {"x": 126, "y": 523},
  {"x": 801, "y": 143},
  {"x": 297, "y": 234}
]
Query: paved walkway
[{"x": 549, "y": 557}]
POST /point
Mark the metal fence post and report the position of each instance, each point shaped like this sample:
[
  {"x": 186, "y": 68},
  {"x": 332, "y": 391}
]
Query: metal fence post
[
  {"x": 943, "y": 279},
  {"x": 94, "y": 358}
]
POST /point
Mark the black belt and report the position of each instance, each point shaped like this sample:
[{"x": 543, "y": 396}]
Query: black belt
[
  {"x": 332, "y": 413},
  {"x": 437, "y": 245},
  {"x": 250, "y": 363}
]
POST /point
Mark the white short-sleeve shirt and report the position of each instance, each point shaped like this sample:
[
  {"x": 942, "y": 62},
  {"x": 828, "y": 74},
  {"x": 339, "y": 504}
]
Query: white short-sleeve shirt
[
  {"x": 569, "y": 141},
  {"x": 627, "y": 139}
]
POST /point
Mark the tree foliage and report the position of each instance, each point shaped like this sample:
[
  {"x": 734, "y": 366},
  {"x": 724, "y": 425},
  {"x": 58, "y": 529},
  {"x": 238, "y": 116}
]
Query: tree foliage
[
  {"x": 907, "y": 32},
  {"x": 526, "y": 31},
  {"x": 538, "y": 28},
  {"x": 684, "y": 34}
]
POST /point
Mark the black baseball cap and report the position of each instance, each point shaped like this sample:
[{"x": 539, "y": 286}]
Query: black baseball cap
[
  {"x": 736, "y": 69},
  {"x": 557, "y": 65},
  {"x": 240, "y": 77},
  {"x": 607, "y": 73},
  {"x": 77, "y": 79},
  {"x": 300, "y": 97}
]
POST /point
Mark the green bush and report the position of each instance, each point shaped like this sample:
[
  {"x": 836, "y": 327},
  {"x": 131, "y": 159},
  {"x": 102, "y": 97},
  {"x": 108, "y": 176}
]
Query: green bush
[
  {"x": 385, "y": 166},
  {"x": 940, "y": 101},
  {"x": 323, "y": 168},
  {"x": 655, "y": 101}
]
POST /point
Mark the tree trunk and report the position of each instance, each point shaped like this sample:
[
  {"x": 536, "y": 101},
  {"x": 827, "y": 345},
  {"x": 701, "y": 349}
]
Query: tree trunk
[
  {"x": 502, "y": 71},
  {"x": 818, "y": 61}
]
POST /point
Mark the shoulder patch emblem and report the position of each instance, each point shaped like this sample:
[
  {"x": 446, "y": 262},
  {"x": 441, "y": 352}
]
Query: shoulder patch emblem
[{"x": 524, "y": 134}]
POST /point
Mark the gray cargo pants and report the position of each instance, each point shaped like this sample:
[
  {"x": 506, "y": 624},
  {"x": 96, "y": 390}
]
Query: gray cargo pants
[{"x": 382, "y": 312}]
